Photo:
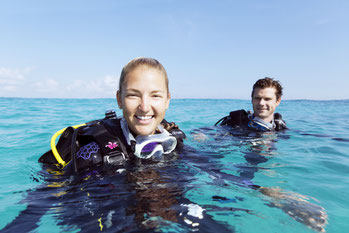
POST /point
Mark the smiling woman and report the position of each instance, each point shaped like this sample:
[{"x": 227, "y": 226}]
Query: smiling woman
[
  {"x": 112, "y": 144},
  {"x": 144, "y": 97}
]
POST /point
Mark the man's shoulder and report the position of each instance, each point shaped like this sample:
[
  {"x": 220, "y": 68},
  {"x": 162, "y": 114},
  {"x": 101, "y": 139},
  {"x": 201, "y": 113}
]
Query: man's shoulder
[
  {"x": 238, "y": 113},
  {"x": 235, "y": 118}
]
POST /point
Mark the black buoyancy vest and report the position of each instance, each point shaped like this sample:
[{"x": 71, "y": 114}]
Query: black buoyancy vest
[
  {"x": 107, "y": 134},
  {"x": 240, "y": 118}
]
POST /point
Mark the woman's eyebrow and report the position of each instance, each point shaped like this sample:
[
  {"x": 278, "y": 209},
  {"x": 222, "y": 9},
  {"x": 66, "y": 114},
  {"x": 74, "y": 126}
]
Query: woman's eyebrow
[
  {"x": 155, "y": 91},
  {"x": 132, "y": 90},
  {"x": 137, "y": 91}
]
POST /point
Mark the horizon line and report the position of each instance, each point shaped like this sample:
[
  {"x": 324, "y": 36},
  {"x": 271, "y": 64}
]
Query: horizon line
[{"x": 84, "y": 98}]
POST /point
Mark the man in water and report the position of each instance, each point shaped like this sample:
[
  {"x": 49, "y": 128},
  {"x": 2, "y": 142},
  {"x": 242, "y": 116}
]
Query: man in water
[{"x": 266, "y": 96}]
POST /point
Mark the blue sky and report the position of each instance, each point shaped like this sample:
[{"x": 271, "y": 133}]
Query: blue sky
[{"x": 210, "y": 49}]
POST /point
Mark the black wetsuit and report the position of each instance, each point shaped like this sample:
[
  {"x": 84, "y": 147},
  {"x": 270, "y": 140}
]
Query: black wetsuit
[{"x": 240, "y": 119}]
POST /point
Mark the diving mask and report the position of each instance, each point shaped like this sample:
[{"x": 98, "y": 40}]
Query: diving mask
[{"x": 154, "y": 145}]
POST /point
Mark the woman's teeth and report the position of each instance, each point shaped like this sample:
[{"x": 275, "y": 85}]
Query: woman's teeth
[{"x": 144, "y": 117}]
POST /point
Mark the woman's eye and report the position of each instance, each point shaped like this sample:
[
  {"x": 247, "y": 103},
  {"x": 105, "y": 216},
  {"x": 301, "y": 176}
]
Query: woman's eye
[{"x": 131, "y": 95}]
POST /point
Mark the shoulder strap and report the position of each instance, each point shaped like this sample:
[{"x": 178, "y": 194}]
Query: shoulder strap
[
  {"x": 222, "y": 121},
  {"x": 280, "y": 124},
  {"x": 173, "y": 129},
  {"x": 63, "y": 147}
]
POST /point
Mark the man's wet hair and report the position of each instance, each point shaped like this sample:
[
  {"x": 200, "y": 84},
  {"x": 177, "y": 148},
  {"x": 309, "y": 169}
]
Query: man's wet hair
[{"x": 268, "y": 82}]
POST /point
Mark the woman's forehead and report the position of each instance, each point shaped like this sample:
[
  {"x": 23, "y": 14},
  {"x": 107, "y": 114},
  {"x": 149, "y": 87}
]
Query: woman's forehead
[
  {"x": 145, "y": 76},
  {"x": 145, "y": 79}
]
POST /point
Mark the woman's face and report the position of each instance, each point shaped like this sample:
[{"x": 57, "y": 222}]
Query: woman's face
[{"x": 144, "y": 99}]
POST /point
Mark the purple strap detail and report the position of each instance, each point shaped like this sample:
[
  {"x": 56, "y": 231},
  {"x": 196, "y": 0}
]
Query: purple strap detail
[{"x": 86, "y": 151}]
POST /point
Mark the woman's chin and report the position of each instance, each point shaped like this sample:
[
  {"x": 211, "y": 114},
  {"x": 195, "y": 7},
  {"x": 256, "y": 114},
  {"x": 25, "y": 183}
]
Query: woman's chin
[{"x": 144, "y": 131}]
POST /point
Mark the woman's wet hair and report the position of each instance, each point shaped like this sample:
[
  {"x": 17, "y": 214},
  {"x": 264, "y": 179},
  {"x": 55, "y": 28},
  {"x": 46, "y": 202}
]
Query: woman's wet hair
[
  {"x": 268, "y": 82},
  {"x": 142, "y": 61}
]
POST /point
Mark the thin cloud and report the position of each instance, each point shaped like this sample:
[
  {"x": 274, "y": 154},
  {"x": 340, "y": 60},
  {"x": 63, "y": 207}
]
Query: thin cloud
[
  {"x": 102, "y": 87},
  {"x": 13, "y": 82},
  {"x": 96, "y": 88},
  {"x": 13, "y": 79},
  {"x": 9, "y": 88},
  {"x": 49, "y": 85},
  {"x": 11, "y": 76},
  {"x": 111, "y": 82}
]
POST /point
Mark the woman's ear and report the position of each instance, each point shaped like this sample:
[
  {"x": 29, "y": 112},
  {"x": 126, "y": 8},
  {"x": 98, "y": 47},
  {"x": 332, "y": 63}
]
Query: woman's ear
[
  {"x": 118, "y": 99},
  {"x": 168, "y": 100}
]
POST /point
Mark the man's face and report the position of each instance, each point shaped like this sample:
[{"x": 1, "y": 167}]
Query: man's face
[{"x": 264, "y": 103}]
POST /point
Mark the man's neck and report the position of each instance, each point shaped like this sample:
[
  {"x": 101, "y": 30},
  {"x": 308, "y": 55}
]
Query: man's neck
[{"x": 269, "y": 119}]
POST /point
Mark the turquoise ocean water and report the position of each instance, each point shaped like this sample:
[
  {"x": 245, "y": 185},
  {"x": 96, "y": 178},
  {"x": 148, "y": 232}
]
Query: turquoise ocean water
[{"x": 310, "y": 161}]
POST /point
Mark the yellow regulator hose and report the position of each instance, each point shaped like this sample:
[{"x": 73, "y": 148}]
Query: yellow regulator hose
[{"x": 53, "y": 145}]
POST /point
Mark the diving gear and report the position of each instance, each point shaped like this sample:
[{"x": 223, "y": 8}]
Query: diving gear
[
  {"x": 241, "y": 119},
  {"x": 110, "y": 114},
  {"x": 155, "y": 145},
  {"x": 151, "y": 145},
  {"x": 106, "y": 133},
  {"x": 259, "y": 124},
  {"x": 279, "y": 122},
  {"x": 102, "y": 142},
  {"x": 53, "y": 145}
]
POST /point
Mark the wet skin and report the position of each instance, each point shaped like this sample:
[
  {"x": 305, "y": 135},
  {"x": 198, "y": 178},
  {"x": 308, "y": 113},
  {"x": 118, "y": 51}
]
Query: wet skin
[
  {"x": 264, "y": 103},
  {"x": 144, "y": 99}
]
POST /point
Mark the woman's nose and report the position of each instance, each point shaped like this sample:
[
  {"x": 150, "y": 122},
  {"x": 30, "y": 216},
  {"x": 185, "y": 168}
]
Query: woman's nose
[{"x": 144, "y": 104}]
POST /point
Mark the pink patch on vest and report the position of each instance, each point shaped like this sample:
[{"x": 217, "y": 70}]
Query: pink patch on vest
[{"x": 111, "y": 145}]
